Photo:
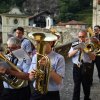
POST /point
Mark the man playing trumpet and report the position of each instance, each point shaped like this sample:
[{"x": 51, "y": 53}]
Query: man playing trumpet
[{"x": 82, "y": 65}]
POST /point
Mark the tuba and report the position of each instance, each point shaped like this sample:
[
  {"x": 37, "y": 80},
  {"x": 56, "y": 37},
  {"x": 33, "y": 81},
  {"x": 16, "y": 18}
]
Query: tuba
[
  {"x": 42, "y": 78},
  {"x": 11, "y": 80}
]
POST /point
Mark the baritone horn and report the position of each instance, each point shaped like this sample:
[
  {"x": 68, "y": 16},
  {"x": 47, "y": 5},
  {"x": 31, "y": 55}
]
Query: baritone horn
[
  {"x": 42, "y": 79},
  {"x": 11, "y": 80}
]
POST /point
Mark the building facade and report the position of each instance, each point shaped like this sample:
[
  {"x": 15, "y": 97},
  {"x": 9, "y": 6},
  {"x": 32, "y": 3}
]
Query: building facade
[
  {"x": 96, "y": 12},
  {"x": 11, "y": 20}
]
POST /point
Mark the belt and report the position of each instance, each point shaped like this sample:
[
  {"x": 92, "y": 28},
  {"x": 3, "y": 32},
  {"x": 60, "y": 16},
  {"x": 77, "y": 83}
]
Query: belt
[
  {"x": 9, "y": 89},
  {"x": 85, "y": 62}
]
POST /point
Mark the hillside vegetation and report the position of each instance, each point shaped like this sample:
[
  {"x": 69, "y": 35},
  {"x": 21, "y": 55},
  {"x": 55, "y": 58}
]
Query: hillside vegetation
[
  {"x": 86, "y": 16},
  {"x": 62, "y": 10}
]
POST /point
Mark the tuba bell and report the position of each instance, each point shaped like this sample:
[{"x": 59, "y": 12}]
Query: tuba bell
[
  {"x": 43, "y": 78},
  {"x": 11, "y": 80}
]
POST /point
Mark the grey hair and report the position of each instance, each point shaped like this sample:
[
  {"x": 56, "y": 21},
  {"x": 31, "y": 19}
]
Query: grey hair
[
  {"x": 83, "y": 31},
  {"x": 14, "y": 41}
]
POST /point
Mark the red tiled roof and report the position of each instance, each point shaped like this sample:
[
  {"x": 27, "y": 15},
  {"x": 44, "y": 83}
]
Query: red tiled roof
[{"x": 73, "y": 22}]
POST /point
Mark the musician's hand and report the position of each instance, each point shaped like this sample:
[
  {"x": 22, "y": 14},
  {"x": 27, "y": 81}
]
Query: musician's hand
[
  {"x": 32, "y": 75},
  {"x": 81, "y": 49},
  {"x": 3, "y": 70},
  {"x": 42, "y": 61}
]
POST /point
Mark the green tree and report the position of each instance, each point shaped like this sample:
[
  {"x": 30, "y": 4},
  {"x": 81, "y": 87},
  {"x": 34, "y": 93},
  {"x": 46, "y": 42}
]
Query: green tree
[
  {"x": 74, "y": 7},
  {"x": 63, "y": 9},
  {"x": 5, "y": 5},
  {"x": 85, "y": 3},
  {"x": 67, "y": 9}
]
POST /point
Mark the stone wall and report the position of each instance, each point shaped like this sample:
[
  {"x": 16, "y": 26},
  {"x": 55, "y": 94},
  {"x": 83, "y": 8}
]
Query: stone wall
[{"x": 68, "y": 35}]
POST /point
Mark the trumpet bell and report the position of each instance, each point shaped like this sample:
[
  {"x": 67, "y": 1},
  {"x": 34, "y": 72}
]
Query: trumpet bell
[
  {"x": 42, "y": 36},
  {"x": 89, "y": 48}
]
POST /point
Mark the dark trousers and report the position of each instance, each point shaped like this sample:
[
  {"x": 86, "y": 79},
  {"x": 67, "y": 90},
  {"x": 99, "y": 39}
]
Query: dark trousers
[
  {"x": 97, "y": 62},
  {"x": 52, "y": 95},
  {"x": 1, "y": 86},
  {"x": 82, "y": 76},
  {"x": 16, "y": 94}
]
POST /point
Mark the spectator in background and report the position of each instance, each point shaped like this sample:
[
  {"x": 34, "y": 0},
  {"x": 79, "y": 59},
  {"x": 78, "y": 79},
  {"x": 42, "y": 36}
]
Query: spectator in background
[{"x": 25, "y": 43}]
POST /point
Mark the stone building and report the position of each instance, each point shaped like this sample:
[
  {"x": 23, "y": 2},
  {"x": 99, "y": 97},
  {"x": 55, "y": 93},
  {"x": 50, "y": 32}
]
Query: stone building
[
  {"x": 73, "y": 24},
  {"x": 14, "y": 18},
  {"x": 41, "y": 19},
  {"x": 11, "y": 20},
  {"x": 96, "y": 12}
]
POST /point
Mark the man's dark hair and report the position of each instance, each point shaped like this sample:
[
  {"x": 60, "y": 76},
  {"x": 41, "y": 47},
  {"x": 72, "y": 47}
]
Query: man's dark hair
[
  {"x": 97, "y": 26},
  {"x": 20, "y": 29}
]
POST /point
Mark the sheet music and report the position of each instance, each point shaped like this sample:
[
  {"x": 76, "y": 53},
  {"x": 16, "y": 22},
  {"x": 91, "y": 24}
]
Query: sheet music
[
  {"x": 80, "y": 45},
  {"x": 21, "y": 54}
]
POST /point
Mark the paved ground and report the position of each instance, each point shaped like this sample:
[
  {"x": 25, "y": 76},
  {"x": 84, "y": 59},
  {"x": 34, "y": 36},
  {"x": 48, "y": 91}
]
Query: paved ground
[{"x": 67, "y": 90}]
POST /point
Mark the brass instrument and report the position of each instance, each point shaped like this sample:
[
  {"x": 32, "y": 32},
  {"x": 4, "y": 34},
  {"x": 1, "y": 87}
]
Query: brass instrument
[
  {"x": 92, "y": 45},
  {"x": 59, "y": 40},
  {"x": 11, "y": 80},
  {"x": 43, "y": 78}
]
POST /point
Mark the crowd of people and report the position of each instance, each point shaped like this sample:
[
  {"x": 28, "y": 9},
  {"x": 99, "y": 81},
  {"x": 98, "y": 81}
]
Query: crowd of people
[{"x": 83, "y": 66}]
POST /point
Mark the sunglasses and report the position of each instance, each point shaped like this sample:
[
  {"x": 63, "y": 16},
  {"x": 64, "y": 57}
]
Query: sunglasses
[
  {"x": 81, "y": 36},
  {"x": 95, "y": 29}
]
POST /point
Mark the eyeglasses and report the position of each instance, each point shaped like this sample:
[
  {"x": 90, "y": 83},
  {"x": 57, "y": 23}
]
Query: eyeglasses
[
  {"x": 95, "y": 29},
  {"x": 81, "y": 36}
]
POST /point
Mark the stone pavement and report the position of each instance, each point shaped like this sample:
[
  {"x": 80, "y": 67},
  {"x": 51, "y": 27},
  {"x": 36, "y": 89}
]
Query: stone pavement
[{"x": 67, "y": 91}]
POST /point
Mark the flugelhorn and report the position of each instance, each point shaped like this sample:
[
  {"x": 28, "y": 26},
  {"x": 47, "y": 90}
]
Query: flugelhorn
[{"x": 43, "y": 78}]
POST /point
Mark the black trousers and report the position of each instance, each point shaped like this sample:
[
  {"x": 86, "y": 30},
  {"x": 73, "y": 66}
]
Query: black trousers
[
  {"x": 82, "y": 76},
  {"x": 51, "y": 95},
  {"x": 97, "y": 62},
  {"x": 16, "y": 94},
  {"x": 1, "y": 86}
]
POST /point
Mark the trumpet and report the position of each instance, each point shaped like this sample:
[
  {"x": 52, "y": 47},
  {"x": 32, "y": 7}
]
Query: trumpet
[
  {"x": 93, "y": 43},
  {"x": 43, "y": 78}
]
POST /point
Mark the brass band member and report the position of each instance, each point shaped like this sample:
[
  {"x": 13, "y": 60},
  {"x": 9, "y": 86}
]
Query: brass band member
[
  {"x": 10, "y": 93},
  {"x": 56, "y": 74},
  {"x": 97, "y": 60},
  {"x": 82, "y": 63}
]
